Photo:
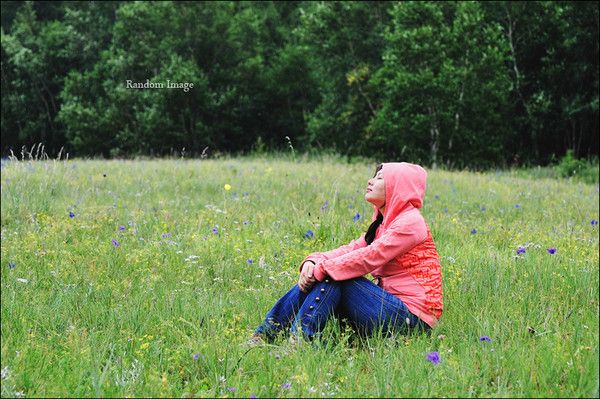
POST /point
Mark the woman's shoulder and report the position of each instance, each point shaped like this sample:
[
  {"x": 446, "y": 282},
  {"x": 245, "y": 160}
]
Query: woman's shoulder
[
  {"x": 410, "y": 223},
  {"x": 409, "y": 217}
]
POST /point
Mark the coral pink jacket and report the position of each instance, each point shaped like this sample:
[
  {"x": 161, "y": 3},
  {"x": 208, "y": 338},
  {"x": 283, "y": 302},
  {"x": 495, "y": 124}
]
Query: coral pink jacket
[{"x": 402, "y": 257}]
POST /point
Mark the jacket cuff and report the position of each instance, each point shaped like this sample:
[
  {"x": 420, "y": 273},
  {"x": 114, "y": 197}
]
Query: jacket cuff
[{"x": 319, "y": 272}]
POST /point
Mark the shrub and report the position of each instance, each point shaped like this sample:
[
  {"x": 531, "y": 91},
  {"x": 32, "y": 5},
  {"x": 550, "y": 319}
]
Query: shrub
[{"x": 579, "y": 169}]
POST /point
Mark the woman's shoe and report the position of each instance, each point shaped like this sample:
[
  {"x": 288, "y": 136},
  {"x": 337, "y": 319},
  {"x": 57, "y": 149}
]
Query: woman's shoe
[{"x": 255, "y": 340}]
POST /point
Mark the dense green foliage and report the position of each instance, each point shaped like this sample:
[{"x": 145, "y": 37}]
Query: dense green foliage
[
  {"x": 144, "y": 279},
  {"x": 461, "y": 84}
]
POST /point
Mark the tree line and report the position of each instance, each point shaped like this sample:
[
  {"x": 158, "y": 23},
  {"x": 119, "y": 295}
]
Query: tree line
[{"x": 460, "y": 84}]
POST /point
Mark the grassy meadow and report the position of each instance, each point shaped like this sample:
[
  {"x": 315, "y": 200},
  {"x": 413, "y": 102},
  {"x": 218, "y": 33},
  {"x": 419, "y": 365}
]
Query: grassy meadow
[{"x": 145, "y": 278}]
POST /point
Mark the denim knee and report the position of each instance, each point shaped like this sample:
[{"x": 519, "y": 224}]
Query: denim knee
[{"x": 319, "y": 305}]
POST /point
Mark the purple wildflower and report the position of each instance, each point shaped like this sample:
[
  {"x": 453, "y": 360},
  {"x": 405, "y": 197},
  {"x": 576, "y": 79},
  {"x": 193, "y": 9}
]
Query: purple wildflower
[
  {"x": 594, "y": 222},
  {"x": 12, "y": 265},
  {"x": 309, "y": 234},
  {"x": 249, "y": 261},
  {"x": 215, "y": 230},
  {"x": 196, "y": 356},
  {"x": 517, "y": 206},
  {"x": 356, "y": 217},
  {"x": 286, "y": 385},
  {"x": 433, "y": 357},
  {"x": 551, "y": 250},
  {"x": 445, "y": 210},
  {"x": 325, "y": 205},
  {"x": 166, "y": 235},
  {"x": 483, "y": 209},
  {"x": 116, "y": 243},
  {"x": 485, "y": 338},
  {"x": 473, "y": 231},
  {"x": 121, "y": 228},
  {"x": 72, "y": 215},
  {"x": 521, "y": 250},
  {"x": 231, "y": 389}
]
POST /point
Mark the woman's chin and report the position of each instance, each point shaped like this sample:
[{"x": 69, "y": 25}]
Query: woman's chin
[{"x": 369, "y": 200}]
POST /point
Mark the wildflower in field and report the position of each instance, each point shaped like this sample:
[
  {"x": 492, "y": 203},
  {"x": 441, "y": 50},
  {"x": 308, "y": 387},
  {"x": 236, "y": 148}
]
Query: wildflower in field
[
  {"x": 445, "y": 210},
  {"x": 325, "y": 205},
  {"x": 433, "y": 357},
  {"x": 286, "y": 385},
  {"x": 474, "y": 231},
  {"x": 437, "y": 197},
  {"x": 22, "y": 280},
  {"x": 356, "y": 217},
  {"x": 309, "y": 234},
  {"x": 215, "y": 230},
  {"x": 551, "y": 250},
  {"x": 5, "y": 373},
  {"x": 231, "y": 389},
  {"x": 594, "y": 222},
  {"x": 249, "y": 261},
  {"x": 121, "y": 228},
  {"x": 517, "y": 206},
  {"x": 71, "y": 215},
  {"x": 116, "y": 243},
  {"x": 227, "y": 187},
  {"x": 485, "y": 338},
  {"x": 521, "y": 250},
  {"x": 482, "y": 209},
  {"x": 165, "y": 235},
  {"x": 196, "y": 356},
  {"x": 246, "y": 222},
  {"x": 12, "y": 265}
]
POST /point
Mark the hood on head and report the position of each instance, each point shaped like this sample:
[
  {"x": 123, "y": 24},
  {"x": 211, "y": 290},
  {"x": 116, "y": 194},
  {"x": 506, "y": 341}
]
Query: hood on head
[{"x": 405, "y": 185}]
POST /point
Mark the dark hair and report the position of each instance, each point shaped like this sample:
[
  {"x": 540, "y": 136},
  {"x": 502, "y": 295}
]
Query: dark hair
[{"x": 370, "y": 235}]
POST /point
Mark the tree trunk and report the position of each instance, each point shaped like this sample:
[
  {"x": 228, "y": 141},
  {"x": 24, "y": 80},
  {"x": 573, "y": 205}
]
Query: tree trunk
[
  {"x": 360, "y": 89},
  {"x": 435, "y": 136},
  {"x": 509, "y": 32},
  {"x": 459, "y": 107}
]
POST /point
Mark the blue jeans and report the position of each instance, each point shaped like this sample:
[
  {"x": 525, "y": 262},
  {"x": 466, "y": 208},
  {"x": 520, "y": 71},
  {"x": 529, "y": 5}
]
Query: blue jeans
[{"x": 366, "y": 306}]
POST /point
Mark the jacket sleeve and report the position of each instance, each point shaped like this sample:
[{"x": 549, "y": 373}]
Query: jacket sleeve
[
  {"x": 334, "y": 253},
  {"x": 403, "y": 235}
]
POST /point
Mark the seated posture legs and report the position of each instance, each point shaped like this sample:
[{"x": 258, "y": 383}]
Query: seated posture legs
[{"x": 366, "y": 306}]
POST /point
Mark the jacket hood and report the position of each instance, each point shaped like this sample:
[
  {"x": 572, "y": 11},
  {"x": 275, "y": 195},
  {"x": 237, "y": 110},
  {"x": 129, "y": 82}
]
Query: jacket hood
[{"x": 405, "y": 185}]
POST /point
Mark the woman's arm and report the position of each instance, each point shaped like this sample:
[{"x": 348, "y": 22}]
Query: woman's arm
[
  {"x": 334, "y": 253},
  {"x": 402, "y": 236}
]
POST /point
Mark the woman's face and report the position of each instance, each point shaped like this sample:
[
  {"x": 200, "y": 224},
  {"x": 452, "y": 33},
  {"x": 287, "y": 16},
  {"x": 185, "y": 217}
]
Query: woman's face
[{"x": 376, "y": 190}]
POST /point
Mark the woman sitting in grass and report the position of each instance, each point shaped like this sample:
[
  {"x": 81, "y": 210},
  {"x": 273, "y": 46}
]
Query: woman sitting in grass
[{"x": 397, "y": 250}]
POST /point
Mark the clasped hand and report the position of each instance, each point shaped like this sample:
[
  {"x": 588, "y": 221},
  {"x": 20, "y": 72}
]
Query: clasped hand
[{"x": 307, "y": 278}]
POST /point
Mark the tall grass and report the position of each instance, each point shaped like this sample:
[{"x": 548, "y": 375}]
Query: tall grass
[{"x": 198, "y": 264}]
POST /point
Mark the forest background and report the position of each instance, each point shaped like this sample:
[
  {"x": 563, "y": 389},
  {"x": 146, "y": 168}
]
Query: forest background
[{"x": 455, "y": 84}]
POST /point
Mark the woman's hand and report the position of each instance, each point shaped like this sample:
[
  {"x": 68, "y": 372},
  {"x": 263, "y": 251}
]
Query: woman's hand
[{"x": 307, "y": 279}]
